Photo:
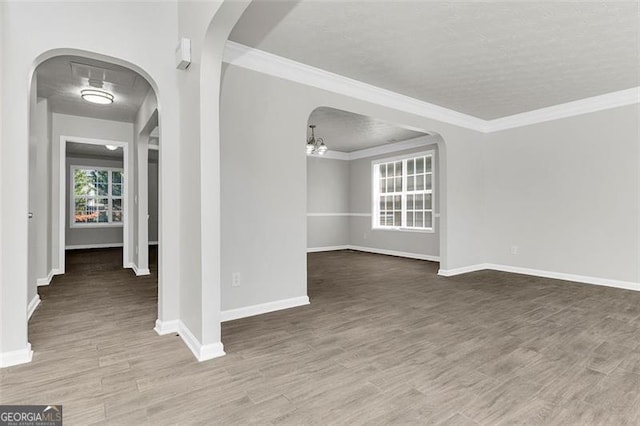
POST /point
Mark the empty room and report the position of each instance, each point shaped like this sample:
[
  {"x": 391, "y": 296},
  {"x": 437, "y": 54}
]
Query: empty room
[{"x": 320, "y": 212}]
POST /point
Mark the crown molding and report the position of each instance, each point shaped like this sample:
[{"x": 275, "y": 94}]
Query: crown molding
[
  {"x": 378, "y": 150},
  {"x": 392, "y": 147},
  {"x": 569, "y": 109},
  {"x": 332, "y": 155},
  {"x": 258, "y": 60}
]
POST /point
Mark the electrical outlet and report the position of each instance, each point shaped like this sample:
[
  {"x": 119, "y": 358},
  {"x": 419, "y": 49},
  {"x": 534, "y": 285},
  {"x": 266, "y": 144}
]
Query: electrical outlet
[
  {"x": 235, "y": 279},
  {"x": 365, "y": 235},
  {"x": 514, "y": 250}
]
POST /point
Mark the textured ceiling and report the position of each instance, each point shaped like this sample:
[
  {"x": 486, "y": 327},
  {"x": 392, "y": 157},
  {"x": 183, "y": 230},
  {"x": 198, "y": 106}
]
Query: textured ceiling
[
  {"x": 486, "y": 59},
  {"x": 100, "y": 151},
  {"x": 89, "y": 150},
  {"x": 58, "y": 80},
  {"x": 346, "y": 132}
]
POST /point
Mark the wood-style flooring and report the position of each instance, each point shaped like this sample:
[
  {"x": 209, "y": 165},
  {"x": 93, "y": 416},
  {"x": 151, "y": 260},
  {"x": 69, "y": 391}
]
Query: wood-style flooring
[{"x": 384, "y": 341}]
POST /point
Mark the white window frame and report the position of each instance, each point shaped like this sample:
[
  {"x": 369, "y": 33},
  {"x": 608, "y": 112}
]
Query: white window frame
[
  {"x": 110, "y": 197},
  {"x": 375, "y": 194}
]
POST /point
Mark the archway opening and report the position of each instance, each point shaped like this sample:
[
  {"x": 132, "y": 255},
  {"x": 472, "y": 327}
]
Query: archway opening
[
  {"x": 375, "y": 193},
  {"x": 92, "y": 123}
]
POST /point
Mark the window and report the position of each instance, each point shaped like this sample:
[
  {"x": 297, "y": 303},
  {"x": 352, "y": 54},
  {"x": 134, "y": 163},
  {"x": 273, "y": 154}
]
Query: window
[
  {"x": 403, "y": 192},
  {"x": 97, "y": 196}
]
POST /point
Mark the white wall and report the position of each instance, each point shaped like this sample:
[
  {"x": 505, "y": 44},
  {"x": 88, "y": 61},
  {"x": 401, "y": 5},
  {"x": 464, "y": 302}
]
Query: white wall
[
  {"x": 264, "y": 191},
  {"x": 207, "y": 25},
  {"x": 7, "y": 314},
  {"x": 566, "y": 193},
  {"x": 39, "y": 193},
  {"x": 76, "y": 236},
  {"x": 193, "y": 19},
  {"x": 31, "y": 33},
  {"x": 43, "y": 128},
  {"x": 146, "y": 120}
]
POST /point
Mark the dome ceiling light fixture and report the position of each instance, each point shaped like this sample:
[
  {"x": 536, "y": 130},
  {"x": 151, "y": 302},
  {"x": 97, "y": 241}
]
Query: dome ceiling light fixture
[
  {"x": 111, "y": 147},
  {"x": 315, "y": 145},
  {"x": 97, "y": 96}
]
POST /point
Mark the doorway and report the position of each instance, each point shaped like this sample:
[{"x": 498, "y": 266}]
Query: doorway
[
  {"x": 90, "y": 122},
  {"x": 376, "y": 189},
  {"x": 94, "y": 209}
]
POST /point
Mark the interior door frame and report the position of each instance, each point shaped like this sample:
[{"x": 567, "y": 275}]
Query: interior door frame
[{"x": 126, "y": 225}]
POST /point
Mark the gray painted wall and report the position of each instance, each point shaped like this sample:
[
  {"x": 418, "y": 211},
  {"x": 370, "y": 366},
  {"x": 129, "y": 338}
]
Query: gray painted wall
[
  {"x": 112, "y": 235},
  {"x": 327, "y": 192},
  {"x": 328, "y": 231},
  {"x": 88, "y": 236},
  {"x": 264, "y": 184},
  {"x": 327, "y": 185},
  {"x": 82, "y": 127},
  {"x": 340, "y": 186},
  {"x": 566, "y": 192},
  {"x": 361, "y": 232}
]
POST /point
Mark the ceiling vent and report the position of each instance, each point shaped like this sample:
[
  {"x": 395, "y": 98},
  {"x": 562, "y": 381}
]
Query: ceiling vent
[{"x": 99, "y": 75}]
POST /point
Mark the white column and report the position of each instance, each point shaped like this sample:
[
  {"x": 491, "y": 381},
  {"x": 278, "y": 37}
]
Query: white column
[{"x": 142, "y": 172}]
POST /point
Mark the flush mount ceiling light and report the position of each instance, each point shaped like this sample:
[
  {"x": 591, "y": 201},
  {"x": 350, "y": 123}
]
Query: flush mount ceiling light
[
  {"x": 111, "y": 147},
  {"x": 315, "y": 146},
  {"x": 97, "y": 96}
]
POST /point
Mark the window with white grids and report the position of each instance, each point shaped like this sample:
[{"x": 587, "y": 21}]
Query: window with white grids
[
  {"x": 403, "y": 196},
  {"x": 97, "y": 196}
]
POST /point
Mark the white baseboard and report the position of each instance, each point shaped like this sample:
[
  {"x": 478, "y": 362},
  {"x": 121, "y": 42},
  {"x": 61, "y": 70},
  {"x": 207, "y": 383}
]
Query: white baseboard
[
  {"x": 627, "y": 285},
  {"x": 263, "y": 308},
  {"x": 33, "y": 305},
  {"x": 201, "y": 352},
  {"x": 92, "y": 246},
  {"x": 48, "y": 278},
  {"x": 463, "y": 270},
  {"x": 376, "y": 251},
  {"x": 21, "y": 356},
  {"x": 583, "y": 279},
  {"x": 167, "y": 327},
  {"x": 138, "y": 271},
  {"x": 396, "y": 253},
  {"x": 328, "y": 248}
]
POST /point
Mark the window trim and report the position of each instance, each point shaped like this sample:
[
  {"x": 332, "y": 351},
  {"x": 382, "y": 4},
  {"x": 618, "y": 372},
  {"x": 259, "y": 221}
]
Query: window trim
[
  {"x": 72, "y": 197},
  {"x": 375, "y": 195}
]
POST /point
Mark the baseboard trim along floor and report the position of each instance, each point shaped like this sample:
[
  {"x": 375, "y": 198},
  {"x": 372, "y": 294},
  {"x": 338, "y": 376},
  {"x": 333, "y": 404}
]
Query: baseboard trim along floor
[
  {"x": 263, "y": 308},
  {"x": 583, "y": 279}
]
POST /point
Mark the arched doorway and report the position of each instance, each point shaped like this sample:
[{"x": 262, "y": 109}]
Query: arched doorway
[
  {"x": 377, "y": 189},
  {"x": 90, "y": 124}
]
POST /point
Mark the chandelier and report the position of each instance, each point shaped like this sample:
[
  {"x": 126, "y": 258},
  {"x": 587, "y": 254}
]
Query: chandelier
[{"x": 315, "y": 146}]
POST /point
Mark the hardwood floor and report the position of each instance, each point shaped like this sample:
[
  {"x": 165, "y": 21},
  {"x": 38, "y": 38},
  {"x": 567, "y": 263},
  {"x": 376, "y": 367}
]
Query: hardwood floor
[{"x": 384, "y": 341}]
